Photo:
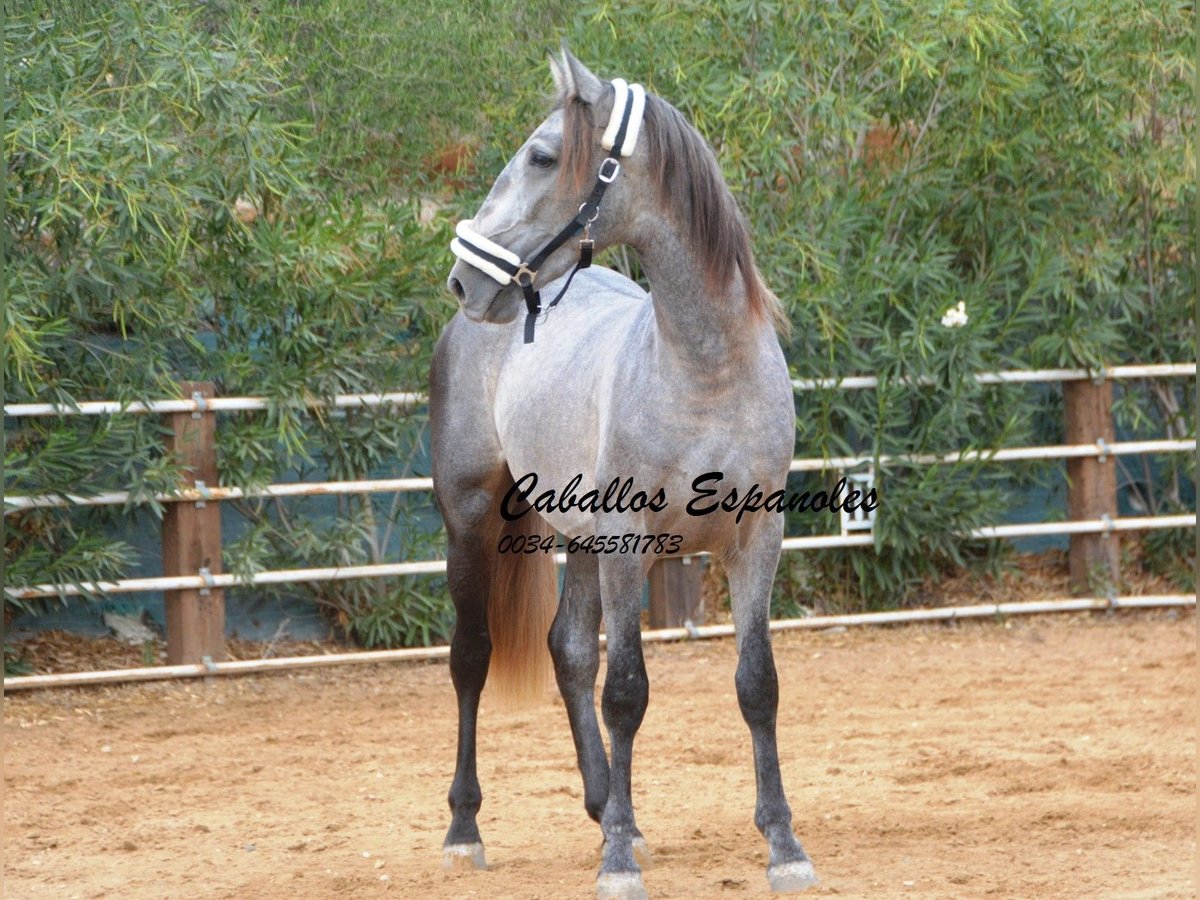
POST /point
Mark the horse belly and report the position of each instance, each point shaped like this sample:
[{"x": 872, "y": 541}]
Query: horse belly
[{"x": 711, "y": 441}]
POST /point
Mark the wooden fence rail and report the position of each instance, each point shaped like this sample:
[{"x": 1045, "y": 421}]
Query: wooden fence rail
[{"x": 191, "y": 531}]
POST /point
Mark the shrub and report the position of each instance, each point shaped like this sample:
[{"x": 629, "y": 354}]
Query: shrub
[
  {"x": 166, "y": 222},
  {"x": 1026, "y": 159},
  {"x": 197, "y": 195}
]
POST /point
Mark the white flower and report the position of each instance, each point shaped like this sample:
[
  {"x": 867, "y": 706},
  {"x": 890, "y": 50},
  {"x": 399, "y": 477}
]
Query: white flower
[
  {"x": 109, "y": 79},
  {"x": 245, "y": 211},
  {"x": 955, "y": 316}
]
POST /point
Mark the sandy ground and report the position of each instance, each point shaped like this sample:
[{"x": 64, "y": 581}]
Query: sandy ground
[{"x": 1048, "y": 757}]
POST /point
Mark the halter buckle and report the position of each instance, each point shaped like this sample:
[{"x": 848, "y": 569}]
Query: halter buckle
[
  {"x": 608, "y": 170},
  {"x": 524, "y": 272}
]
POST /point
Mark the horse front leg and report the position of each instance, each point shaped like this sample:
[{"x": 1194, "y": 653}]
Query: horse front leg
[
  {"x": 469, "y": 563},
  {"x": 623, "y": 704},
  {"x": 575, "y": 648},
  {"x": 751, "y": 573}
]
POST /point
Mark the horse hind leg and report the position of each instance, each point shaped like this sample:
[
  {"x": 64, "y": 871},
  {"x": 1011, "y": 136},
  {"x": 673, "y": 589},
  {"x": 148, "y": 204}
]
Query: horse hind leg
[
  {"x": 503, "y": 604},
  {"x": 470, "y": 575},
  {"x": 751, "y": 574}
]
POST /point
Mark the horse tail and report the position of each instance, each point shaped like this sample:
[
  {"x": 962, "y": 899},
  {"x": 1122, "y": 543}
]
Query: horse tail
[{"x": 521, "y": 606}]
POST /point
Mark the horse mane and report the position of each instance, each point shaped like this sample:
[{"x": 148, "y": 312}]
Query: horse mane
[{"x": 689, "y": 186}]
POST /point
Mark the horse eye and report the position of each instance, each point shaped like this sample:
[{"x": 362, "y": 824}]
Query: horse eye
[{"x": 540, "y": 159}]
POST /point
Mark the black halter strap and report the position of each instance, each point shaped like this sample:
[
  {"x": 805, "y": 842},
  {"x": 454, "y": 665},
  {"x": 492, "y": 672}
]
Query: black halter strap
[
  {"x": 588, "y": 211},
  {"x": 474, "y": 247}
]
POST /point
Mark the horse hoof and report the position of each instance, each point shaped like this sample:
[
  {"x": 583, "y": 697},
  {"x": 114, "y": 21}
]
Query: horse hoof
[
  {"x": 620, "y": 886},
  {"x": 642, "y": 854},
  {"x": 792, "y": 876},
  {"x": 463, "y": 856}
]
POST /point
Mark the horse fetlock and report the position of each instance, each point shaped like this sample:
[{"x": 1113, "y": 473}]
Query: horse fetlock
[
  {"x": 465, "y": 801},
  {"x": 773, "y": 819},
  {"x": 616, "y": 854},
  {"x": 782, "y": 843},
  {"x": 640, "y": 849}
]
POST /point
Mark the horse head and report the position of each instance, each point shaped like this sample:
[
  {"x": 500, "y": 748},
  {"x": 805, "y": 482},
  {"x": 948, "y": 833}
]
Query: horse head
[{"x": 525, "y": 233}]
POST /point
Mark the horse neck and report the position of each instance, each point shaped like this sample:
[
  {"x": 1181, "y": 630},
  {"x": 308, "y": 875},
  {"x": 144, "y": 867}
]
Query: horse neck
[{"x": 703, "y": 327}]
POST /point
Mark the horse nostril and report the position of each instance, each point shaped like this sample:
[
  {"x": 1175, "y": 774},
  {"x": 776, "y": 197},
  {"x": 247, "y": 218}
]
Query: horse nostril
[{"x": 456, "y": 288}]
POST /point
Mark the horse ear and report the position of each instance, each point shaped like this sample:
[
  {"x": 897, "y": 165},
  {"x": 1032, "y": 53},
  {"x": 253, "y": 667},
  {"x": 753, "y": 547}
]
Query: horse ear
[
  {"x": 561, "y": 77},
  {"x": 580, "y": 82}
]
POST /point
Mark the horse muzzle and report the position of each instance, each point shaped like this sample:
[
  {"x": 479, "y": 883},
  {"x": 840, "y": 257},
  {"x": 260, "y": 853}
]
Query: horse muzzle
[{"x": 480, "y": 297}]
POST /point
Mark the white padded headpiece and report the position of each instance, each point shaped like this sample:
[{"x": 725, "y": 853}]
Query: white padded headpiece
[{"x": 632, "y": 96}]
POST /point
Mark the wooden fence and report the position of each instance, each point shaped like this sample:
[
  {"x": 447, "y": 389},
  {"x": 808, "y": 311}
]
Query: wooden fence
[{"x": 191, "y": 533}]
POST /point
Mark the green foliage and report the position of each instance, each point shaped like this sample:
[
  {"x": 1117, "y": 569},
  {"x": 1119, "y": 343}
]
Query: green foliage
[
  {"x": 266, "y": 204},
  {"x": 402, "y": 617},
  {"x": 167, "y": 221},
  {"x": 388, "y": 101},
  {"x": 1171, "y": 553},
  {"x": 14, "y": 663},
  {"x": 1028, "y": 159}
]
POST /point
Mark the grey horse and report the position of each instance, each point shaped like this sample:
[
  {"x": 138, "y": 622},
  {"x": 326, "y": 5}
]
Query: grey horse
[{"x": 614, "y": 409}]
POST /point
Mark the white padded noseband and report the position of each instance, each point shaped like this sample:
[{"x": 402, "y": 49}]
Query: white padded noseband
[{"x": 473, "y": 248}]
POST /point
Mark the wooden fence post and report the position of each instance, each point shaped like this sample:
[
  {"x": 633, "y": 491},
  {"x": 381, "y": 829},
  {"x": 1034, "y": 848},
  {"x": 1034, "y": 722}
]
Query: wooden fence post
[
  {"x": 191, "y": 536},
  {"x": 1095, "y": 559},
  {"x": 675, "y": 592}
]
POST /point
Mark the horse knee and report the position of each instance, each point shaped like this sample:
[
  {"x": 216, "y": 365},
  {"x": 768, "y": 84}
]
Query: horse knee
[
  {"x": 757, "y": 688},
  {"x": 574, "y": 656},
  {"x": 626, "y": 694}
]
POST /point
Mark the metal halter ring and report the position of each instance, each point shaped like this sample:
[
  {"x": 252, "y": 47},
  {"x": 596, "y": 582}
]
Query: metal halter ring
[
  {"x": 525, "y": 271},
  {"x": 608, "y": 176}
]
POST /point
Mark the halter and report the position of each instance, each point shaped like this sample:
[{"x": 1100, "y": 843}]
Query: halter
[{"x": 507, "y": 267}]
